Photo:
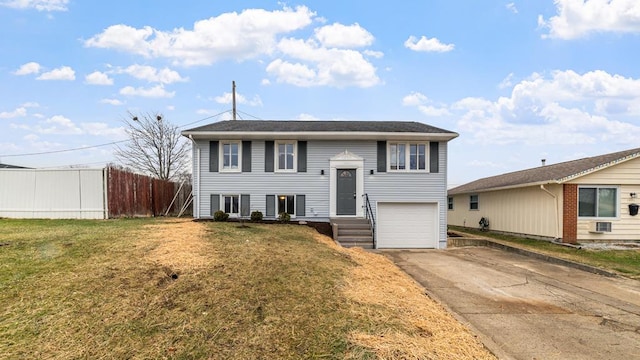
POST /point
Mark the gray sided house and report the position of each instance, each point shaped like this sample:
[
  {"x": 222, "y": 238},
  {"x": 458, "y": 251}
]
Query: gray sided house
[
  {"x": 585, "y": 200},
  {"x": 390, "y": 176}
]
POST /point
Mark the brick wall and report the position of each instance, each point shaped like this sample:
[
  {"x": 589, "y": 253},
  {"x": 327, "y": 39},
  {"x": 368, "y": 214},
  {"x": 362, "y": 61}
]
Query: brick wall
[{"x": 570, "y": 214}]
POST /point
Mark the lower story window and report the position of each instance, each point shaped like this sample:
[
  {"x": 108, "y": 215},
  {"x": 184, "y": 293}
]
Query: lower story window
[
  {"x": 231, "y": 204},
  {"x": 286, "y": 204},
  {"x": 597, "y": 202}
]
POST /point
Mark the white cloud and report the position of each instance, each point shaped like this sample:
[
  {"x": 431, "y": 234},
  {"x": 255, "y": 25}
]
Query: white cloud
[
  {"x": 28, "y": 68},
  {"x": 561, "y": 109},
  {"x": 414, "y": 99},
  {"x": 506, "y": 82},
  {"x": 60, "y": 125},
  {"x": 102, "y": 129},
  {"x": 420, "y": 101},
  {"x": 157, "y": 91},
  {"x": 307, "y": 117},
  {"x": 512, "y": 7},
  {"x": 374, "y": 54},
  {"x": 428, "y": 45},
  {"x": 342, "y": 36},
  {"x": 227, "y": 98},
  {"x": 19, "y": 112},
  {"x": 265, "y": 82},
  {"x": 579, "y": 18},
  {"x": 98, "y": 78},
  {"x": 317, "y": 66},
  {"x": 151, "y": 74},
  {"x": 433, "y": 111},
  {"x": 231, "y": 35},
  {"x": 62, "y": 73},
  {"x": 114, "y": 102},
  {"x": 40, "y": 5},
  {"x": 171, "y": 107}
]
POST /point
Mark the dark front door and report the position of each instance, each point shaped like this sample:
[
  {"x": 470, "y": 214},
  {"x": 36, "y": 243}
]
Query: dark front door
[{"x": 346, "y": 186}]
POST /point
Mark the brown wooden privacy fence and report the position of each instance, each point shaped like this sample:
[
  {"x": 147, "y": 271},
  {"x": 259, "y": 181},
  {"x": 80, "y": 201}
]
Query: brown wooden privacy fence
[{"x": 131, "y": 194}]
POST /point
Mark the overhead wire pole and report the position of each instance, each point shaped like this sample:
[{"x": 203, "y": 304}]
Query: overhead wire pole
[{"x": 233, "y": 97}]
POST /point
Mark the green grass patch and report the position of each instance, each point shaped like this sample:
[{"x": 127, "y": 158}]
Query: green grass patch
[{"x": 626, "y": 262}]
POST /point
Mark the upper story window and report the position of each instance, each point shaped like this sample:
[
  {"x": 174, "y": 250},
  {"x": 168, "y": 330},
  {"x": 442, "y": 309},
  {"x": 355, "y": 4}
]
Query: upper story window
[
  {"x": 230, "y": 155},
  {"x": 450, "y": 203},
  {"x": 286, "y": 156},
  {"x": 408, "y": 156},
  {"x": 473, "y": 202},
  {"x": 598, "y": 201}
]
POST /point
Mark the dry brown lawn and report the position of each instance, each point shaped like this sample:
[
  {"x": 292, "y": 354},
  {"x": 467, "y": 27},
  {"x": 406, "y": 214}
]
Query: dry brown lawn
[{"x": 180, "y": 289}]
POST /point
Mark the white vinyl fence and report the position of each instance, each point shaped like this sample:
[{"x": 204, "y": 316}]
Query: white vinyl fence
[{"x": 53, "y": 194}]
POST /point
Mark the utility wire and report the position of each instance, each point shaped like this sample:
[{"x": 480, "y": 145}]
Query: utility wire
[{"x": 106, "y": 144}]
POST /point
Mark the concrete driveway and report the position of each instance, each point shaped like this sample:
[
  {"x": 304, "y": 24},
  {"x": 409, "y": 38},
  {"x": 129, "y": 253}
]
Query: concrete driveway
[{"x": 524, "y": 308}]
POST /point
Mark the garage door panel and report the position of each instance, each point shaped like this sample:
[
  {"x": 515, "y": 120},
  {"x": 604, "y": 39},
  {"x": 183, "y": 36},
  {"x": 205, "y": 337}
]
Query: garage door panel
[{"x": 407, "y": 225}]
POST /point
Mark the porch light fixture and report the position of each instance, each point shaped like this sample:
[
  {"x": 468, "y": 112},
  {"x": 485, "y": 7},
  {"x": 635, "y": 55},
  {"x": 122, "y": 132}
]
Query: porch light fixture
[
  {"x": 371, "y": 172},
  {"x": 322, "y": 172},
  {"x": 633, "y": 195}
]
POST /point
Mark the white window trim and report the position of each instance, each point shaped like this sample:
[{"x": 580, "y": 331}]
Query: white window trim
[
  {"x": 599, "y": 218},
  {"x": 221, "y": 156},
  {"x": 477, "y": 202},
  {"x": 295, "y": 204},
  {"x": 277, "y": 156},
  {"x": 407, "y": 153},
  {"x": 222, "y": 203}
]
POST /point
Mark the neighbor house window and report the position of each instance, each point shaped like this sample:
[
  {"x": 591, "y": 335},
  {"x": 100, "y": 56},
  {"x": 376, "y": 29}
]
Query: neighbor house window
[
  {"x": 231, "y": 204},
  {"x": 407, "y": 156},
  {"x": 286, "y": 204},
  {"x": 450, "y": 203},
  {"x": 230, "y": 155},
  {"x": 473, "y": 202},
  {"x": 286, "y": 156},
  {"x": 597, "y": 201}
]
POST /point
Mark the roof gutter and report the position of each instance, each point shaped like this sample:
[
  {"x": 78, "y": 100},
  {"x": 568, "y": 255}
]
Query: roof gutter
[
  {"x": 320, "y": 135},
  {"x": 538, "y": 183}
]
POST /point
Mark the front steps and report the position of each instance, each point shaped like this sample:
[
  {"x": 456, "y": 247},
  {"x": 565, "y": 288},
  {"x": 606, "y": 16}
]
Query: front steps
[{"x": 351, "y": 232}]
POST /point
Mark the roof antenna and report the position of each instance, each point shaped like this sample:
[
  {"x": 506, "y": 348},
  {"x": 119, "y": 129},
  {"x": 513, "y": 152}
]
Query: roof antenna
[{"x": 233, "y": 94}]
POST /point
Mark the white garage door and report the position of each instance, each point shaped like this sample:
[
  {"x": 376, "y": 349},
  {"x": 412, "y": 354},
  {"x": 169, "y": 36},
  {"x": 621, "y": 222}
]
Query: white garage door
[{"x": 407, "y": 225}]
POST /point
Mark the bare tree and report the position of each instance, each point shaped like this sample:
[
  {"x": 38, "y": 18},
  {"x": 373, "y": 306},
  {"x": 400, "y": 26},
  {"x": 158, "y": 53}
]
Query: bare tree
[{"x": 155, "y": 147}]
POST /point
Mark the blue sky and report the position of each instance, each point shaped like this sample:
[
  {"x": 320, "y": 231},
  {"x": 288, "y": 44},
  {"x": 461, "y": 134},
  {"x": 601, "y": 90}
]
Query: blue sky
[{"x": 518, "y": 80}]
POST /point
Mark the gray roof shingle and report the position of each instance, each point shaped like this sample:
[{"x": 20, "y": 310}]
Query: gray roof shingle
[
  {"x": 544, "y": 174},
  {"x": 319, "y": 126}
]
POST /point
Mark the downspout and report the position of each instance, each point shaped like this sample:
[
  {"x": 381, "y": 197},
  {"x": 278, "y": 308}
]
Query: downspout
[
  {"x": 196, "y": 178},
  {"x": 555, "y": 199}
]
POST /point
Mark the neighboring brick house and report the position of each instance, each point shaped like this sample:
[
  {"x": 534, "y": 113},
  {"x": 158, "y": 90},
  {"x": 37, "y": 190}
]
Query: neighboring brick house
[
  {"x": 590, "y": 199},
  {"x": 392, "y": 175}
]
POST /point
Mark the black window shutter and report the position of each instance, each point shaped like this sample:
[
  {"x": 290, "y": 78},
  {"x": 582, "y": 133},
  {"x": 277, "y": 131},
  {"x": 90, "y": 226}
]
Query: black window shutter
[
  {"x": 213, "y": 156},
  {"x": 434, "y": 155},
  {"x": 300, "y": 205},
  {"x": 271, "y": 206},
  {"x": 246, "y": 156},
  {"x": 245, "y": 204},
  {"x": 382, "y": 156},
  {"x": 268, "y": 156},
  {"x": 302, "y": 156},
  {"x": 215, "y": 203}
]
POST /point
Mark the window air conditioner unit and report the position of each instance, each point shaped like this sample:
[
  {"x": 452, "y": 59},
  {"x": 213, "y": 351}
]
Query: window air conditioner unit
[{"x": 600, "y": 226}]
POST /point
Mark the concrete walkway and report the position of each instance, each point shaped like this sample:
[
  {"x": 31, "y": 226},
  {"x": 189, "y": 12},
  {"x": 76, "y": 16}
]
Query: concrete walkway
[{"x": 528, "y": 308}]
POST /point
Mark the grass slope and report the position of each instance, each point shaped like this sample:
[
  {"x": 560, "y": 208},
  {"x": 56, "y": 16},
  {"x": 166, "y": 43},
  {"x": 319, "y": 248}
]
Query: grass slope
[
  {"x": 626, "y": 262},
  {"x": 182, "y": 290}
]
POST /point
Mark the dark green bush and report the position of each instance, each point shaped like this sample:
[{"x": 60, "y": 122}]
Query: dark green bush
[
  {"x": 256, "y": 216},
  {"x": 284, "y": 217},
  {"x": 220, "y": 216}
]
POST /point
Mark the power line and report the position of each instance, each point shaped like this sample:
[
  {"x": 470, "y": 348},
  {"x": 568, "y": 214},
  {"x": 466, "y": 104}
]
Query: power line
[
  {"x": 65, "y": 150},
  {"x": 106, "y": 144}
]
